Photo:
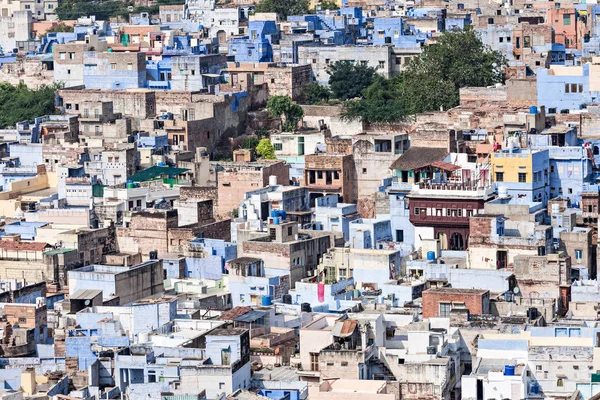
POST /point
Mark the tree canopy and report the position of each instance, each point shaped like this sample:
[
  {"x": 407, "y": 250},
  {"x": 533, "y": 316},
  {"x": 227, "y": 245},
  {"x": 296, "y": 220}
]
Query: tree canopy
[
  {"x": 432, "y": 80},
  {"x": 290, "y": 113},
  {"x": 347, "y": 80},
  {"x": 316, "y": 94},
  {"x": 19, "y": 103},
  {"x": 266, "y": 150},
  {"x": 283, "y": 8}
]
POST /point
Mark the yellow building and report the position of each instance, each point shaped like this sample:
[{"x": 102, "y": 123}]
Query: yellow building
[{"x": 524, "y": 174}]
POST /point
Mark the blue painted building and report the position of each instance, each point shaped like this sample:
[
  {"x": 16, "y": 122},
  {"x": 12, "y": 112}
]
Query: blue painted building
[
  {"x": 257, "y": 46},
  {"x": 570, "y": 170},
  {"x": 211, "y": 265},
  {"x": 567, "y": 90},
  {"x": 27, "y": 230}
]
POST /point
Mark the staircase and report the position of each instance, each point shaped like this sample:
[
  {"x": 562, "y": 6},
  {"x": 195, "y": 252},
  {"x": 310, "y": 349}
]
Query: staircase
[{"x": 380, "y": 370}]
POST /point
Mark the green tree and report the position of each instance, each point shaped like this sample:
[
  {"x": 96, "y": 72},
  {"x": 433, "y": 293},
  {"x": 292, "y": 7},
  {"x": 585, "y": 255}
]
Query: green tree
[
  {"x": 383, "y": 102},
  {"x": 431, "y": 81},
  {"x": 458, "y": 59},
  {"x": 283, "y": 8},
  {"x": 316, "y": 94},
  {"x": 266, "y": 150},
  {"x": 290, "y": 113},
  {"x": 328, "y": 5},
  {"x": 20, "y": 103},
  {"x": 250, "y": 143},
  {"x": 347, "y": 80}
]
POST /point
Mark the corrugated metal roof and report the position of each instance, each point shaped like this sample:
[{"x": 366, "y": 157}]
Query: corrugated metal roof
[
  {"x": 250, "y": 316},
  {"x": 85, "y": 294},
  {"x": 344, "y": 328}
]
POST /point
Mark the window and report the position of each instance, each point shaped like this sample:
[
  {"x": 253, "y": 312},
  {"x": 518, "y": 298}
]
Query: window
[
  {"x": 499, "y": 176},
  {"x": 399, "y": 235},
  {"x": 381, "y": 65},
  {"x": 416, "y": 211},
  {"x": 71, "y": 56},
  {"x": 522, "y": 177},
  {"x": 526, "y": 41},
  {"x": 538, "y": 367},
  {"x": 578, "y": 254},
  {"x": 445, "y": 310},
  {"x": 566, "y": 19},
  {"x": 559, "y": 382},
  {"x": 113, "y": 66},
  {"x": 63, "y": 55},
  {"x": 129, "y": 66},
  {"x": 552, "y": 169},
  {"x": 221, "y": 385},
  {"x": 344, "y": 363},
  {"x": 22, "y": 320},
  {"x": 500, "y": 39},
  {"x": 364, "y": 170},
  {"x": 314, "y": 361},
  {"x": 278, "y": 146}
]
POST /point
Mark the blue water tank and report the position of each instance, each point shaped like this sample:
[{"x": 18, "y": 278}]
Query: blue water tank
[
  {"x": 283, "y": 215},
  {"x": 274, "y": 213},
  {"x": 266, "y": 300},
  {"x": 129, "y": 181},
  {"x": 431, "y": 256},
  {"x": 275, "y": 220},
  {"x": 509, "y": 370},
  {"x": 533, "y": 110},
  {"x": 161, "y": 164}
]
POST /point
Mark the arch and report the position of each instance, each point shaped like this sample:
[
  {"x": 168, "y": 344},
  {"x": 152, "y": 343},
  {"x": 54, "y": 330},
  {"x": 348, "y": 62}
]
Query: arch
[
  {"x": 222, "y": 36},
  {"x": 457, "y": 241}
]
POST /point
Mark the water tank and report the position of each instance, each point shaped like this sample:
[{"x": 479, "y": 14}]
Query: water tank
[
  {"x": 130, "y": 185},
  {"x": 266, "y": 301},
  {"x": 305, "y": 307},
  {"x": 274, "y": 213},
  {"x": 535, "y": 388},
  {"x": 431, "y": 256},
  {"x": 533, "y": 110},
  {"x": 143, "y": 337},
  {"x": 161, "y": 164},
  {"x": 272, "y": 180},
  {"x": 276, "y": 220},
  {"x": 502, "y": 192},
  {"x": 287, "y": 299},
  {"x": 509, "y": 370}
]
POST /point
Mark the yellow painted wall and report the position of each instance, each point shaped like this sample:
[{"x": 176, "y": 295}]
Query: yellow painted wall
[{"x": 510, "y": 164}]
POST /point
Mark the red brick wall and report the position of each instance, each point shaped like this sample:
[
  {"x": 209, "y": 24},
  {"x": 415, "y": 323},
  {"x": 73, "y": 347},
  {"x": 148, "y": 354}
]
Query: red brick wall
[{"x": 473, "y": 301}]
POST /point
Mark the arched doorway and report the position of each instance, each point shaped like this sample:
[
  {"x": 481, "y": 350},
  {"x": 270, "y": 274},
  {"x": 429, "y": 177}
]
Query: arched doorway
[
  {"x": 456, "y": 241},
  {"x": 222, "y": 37}
]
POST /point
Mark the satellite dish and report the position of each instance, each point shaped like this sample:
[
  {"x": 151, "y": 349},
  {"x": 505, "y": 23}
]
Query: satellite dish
[{"x": 516, "y": 290}]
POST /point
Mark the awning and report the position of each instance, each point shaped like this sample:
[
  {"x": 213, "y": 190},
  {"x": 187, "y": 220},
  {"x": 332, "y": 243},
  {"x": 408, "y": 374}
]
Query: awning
[
  {"x": 344, "y": 328},
  {"x": 445, "y": 166},
  {"x": 212, "y": 75}
]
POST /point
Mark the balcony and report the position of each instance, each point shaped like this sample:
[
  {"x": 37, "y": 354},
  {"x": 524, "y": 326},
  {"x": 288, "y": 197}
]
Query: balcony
[{"x": 453, "y": 189}]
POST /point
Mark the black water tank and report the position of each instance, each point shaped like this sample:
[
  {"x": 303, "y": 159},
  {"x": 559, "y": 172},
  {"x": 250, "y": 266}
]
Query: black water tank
[
  {"x": 287, "y": 299},
  {"x": 305, "y": 307}
]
